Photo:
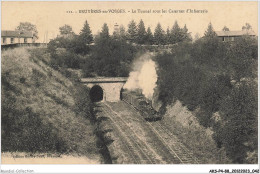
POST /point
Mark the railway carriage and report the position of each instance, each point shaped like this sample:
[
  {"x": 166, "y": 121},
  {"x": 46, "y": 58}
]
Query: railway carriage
[{"x": 140, "y": 103}]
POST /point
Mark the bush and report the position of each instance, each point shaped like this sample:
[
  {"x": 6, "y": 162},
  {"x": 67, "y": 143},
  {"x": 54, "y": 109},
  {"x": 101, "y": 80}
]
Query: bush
[
  {"x": 179, "y": 79},
  {"x": 67, "y": 52},
  {"x": 24, "y": 130},
  {"x": 110, "y": 57},
  {"x": 200, "y": 76},
  {"x": 238, "y": 133},
  {"x": 83, "y": 104},
  {"x": 66, "y": 59},
  {"x": 211, "y": 93},
  {"x": 242, "y": 58}
]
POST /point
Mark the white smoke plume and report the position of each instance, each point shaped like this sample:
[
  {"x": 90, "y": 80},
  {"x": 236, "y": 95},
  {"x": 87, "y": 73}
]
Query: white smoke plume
[{"x": 143, "y": 76}]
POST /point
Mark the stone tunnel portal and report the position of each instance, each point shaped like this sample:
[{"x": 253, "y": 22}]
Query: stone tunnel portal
[
  {"x": 104, "y": 88},
  {"x": 96, "y": 93}
]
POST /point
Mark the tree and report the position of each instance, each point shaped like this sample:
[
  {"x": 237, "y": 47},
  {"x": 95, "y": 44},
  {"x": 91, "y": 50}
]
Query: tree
[
  {"x": 141, "y": 33},
  {"x": 225, "y": 28},
  {"x": 159, "y": 35},
  {"x": 77, "y": 45},
  {"x": 104, "y": 32},
  {"x": 238, "y": 133},
  {"x": 122, "y": 32},
  {"x": 168, "y": 36},
  {"x": 66, "y": 30},
  {"x": 242, "y": 58},
  {"x": 176, "y": 33},
  {"x": 110, "y": 57},
  {"x": 132, "y": 31},
  {"x": 149, "y": 36},
  {"x": 185, "y": 35},
  {"x": 196, "y": 37},
  {"x": 247, "y": 26},
  {"x": 27, "y": 26},
  {"x": 210, "y": 31},
  {"x": 86, "y": 34}
]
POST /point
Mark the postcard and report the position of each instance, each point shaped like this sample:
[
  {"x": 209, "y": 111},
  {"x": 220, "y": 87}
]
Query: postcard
[{"x": 129, "y": 82}]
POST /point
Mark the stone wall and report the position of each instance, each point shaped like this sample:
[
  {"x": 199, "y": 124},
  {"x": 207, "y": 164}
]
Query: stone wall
[{"x": 111, "y": 91}]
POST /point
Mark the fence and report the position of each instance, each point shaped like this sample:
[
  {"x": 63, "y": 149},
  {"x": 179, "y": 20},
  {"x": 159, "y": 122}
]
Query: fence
[{"x": 11, "y": 46}]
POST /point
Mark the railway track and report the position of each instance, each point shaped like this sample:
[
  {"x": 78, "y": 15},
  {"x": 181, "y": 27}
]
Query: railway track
[
  {"x": 138, "y": 150},
  {"x": 175, "y": 147}
]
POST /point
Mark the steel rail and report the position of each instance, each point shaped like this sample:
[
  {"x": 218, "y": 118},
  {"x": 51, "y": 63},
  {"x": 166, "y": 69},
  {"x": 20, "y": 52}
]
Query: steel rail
[{"x": 127, "y": 136}]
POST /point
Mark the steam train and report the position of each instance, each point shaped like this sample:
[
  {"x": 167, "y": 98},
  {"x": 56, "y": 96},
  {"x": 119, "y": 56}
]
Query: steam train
[{"x": 140, "y": 103}]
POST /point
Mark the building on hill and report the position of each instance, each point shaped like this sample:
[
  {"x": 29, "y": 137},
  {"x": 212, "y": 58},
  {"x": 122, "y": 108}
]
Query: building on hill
[
  {"x": 227, "y": 36},
  {"x": 16, "y": 37}
]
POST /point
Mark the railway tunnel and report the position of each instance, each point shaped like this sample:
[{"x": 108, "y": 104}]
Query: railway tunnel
[
  {"x": 105, "y": 88},
  {"x": 96, "y": 93}
]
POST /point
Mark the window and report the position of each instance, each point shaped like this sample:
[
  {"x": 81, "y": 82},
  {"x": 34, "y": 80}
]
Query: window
[
  {"x": 12, "y": 40},
  {"x": 25, "y": 40},
  {"x": 4, "y": 40}
]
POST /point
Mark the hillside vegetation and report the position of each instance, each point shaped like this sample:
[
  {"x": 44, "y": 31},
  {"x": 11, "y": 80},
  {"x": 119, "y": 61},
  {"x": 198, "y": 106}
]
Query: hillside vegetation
[
  {"x": 42, "y": 110},
  {"x": 218, "y": 81}
]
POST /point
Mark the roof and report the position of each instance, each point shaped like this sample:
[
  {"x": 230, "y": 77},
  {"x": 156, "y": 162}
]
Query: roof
[
  {"x": 23, "y": 34},
  {"x": 104, "y": 79},
  {"x": 236, "y": 33}
]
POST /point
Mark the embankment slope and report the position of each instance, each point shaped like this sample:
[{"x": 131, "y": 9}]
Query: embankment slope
[{"x": 40, "y": 108}]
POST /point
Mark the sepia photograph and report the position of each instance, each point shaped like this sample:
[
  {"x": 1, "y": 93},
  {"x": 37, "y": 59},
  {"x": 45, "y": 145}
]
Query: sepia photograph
[{"x": 120, "y": 82}]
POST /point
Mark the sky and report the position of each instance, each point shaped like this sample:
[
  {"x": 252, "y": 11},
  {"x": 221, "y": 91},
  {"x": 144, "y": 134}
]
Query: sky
[{"x": 49, "y": 16}]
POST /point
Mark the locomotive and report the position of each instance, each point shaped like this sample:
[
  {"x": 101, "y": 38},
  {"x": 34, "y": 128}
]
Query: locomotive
[{"x": 141, "y": 104}]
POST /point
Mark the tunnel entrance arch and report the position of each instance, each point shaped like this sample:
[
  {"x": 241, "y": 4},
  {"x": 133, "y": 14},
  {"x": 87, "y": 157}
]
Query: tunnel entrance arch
[
  {"x": 110, "y": 86},
  {"x": 96, "y": 93}
]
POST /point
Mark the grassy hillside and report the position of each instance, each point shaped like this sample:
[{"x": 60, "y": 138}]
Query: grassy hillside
[{"x": 42, "y": 110}]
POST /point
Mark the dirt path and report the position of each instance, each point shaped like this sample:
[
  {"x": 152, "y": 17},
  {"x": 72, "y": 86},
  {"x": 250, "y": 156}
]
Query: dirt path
[{"x": 139, "y": 142}]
